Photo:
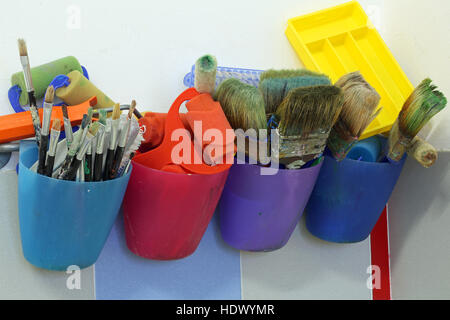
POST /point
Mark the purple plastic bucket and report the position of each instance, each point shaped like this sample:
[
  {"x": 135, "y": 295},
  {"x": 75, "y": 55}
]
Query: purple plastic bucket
[{"x": 260, "y": 212}]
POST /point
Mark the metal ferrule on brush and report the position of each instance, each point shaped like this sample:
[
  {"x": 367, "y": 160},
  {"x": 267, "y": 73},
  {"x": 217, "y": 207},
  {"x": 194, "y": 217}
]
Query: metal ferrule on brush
[
  {"x": 101, "y": 139},
  {"x": 84, "y": 147},
  {"x": 27, "y": 73},
  {"x": 53, "y": 143},
  {"x": 46, "y": 118},
  {"x": 68, "y": 131},
  {"x": 124, "y": 134},
  {"x": 341, "y": 146},
  {"x": 311, "y": 145},
  {"x": 114, "y": 132}
]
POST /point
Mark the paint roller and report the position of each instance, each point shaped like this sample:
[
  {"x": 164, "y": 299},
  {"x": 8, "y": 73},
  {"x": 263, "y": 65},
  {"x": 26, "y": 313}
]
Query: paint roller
[
  {"x": 81, "y": 89},
  {"x": 42, "y": 75}
]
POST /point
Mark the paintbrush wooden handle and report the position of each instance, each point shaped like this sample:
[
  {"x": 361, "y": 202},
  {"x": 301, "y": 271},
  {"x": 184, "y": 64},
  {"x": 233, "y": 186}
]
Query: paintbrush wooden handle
[
  {"x": 49, "y": 167},
  {"x": 108, "y": 165},
  {"x": 98, "y": 164},
  {"x": 117, "y": 160},
  {"x": 43, "y": 146},
  {"x": 423, "y": 152},
  {"x": 88, "y": 168}
]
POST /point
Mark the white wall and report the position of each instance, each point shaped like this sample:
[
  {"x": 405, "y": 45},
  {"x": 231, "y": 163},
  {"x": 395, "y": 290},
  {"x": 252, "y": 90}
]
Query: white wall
[{"x": 142, "y": 50}]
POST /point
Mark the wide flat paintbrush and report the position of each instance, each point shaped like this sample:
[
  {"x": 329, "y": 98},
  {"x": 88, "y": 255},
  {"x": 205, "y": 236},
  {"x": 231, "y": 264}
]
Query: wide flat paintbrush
[
  {"x": 25, "y": 61},
  {"x": 45, "y": 131},
  {"x": 422, "y": 105},
  {"x": 306, "y": 118},
  {"x": 72, "y": 172},
  {"x": 359, "y": 103},
  {"x": 54, "y": 137},
  {"x": 112, "y": 142},
  {"x": 120, "y": 150}
]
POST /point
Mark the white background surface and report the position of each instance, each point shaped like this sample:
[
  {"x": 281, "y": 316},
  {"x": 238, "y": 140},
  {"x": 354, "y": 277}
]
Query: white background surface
[{"x": 141, "y": 50}]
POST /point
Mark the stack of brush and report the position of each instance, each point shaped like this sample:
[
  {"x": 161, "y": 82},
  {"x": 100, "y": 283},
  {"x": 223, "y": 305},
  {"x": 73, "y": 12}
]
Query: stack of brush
[
  {"x": 81, "y": 154},
  {"x": 300, "y": 106}
]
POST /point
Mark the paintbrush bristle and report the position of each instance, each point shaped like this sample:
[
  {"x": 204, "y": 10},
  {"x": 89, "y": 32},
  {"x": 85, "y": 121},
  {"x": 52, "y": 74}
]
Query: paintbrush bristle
[
  {"x": 132, "y": 107},
  {"x": 274, "y": 90},
  {"x": 242, "y": 104},
  {"x": 359, "y": 103},
  {"x": 56, "y": 125},
  {"x": 206, "y": 63},
  {"x": 286, "y": 73},
  {"x": 423, "y": 104},
  {"x": 22, "y": 48},
  {"x": 49, "y": 95},
  {"x": 93, "y": 128},
  {"x": 116, "y": 112},
  {"x": 308, "y": 110}
]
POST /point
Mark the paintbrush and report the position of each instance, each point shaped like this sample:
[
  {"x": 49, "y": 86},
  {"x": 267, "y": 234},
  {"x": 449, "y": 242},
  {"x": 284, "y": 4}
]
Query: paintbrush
[
  {"x": 77, "y": 140},
  {"x": 112, "y": 142},
  {"x": 274, "y": 90},
  {"x": 45, "y": 131},
  {"x": 120, "y": 150},
  {"x": 288, "y": 73},
  {"x": 422, "y": 105},
  {"x": 67, "y": 126},
  {"x": 72, "y": 172},
  {"x": 306, "y": 118},
  {"x": 242, "y": 104},
  {"x": 54, "y": 137},
  {"x": 423, "y": 152},
  {"x": 98, "y": 163},
  {"x": 25, "y": 61},
  {"x": 359, "y": 103},
  {"x": 205, "y": 74}
]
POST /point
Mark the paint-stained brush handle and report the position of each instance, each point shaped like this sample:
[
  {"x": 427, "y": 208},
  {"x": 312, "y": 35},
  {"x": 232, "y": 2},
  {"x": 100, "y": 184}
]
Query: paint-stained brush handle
[
  {"x": 108, "y": 165},
  {"x": 88, "y": 168},
  {"x": 117, "y": 160},
  {"x": 49, "y": 166},
  {"x": 98, "y": 166},
  {"x": 43, "y": 146}
]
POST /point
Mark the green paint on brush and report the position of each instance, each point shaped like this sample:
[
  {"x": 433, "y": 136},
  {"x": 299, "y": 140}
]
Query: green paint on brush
[
  {"x": 205, "y": 74},
  {"x": 242, "y": 104},
  {"x": 103, "y": 115},
  {"x": 274, "y": 90},
  {"x": 308, "y": 110},
  {"x": 286, "y": 73},
  {"x": 422, "y": 105}
]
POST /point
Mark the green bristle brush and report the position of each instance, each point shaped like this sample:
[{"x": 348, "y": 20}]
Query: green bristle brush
[
  {"x": 205, "y": 74},
  {"x": 422, "y": 105},
  {"x": 242, "y": 104},
  {"x": 306, "y": 118},
  {"x": 288, "y": 73},
  {"x": 359, "y": 103},
  {"x": 274, "y": 90}
]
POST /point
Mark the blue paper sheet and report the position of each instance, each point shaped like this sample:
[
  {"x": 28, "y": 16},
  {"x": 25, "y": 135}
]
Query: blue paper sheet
[{"x": 212, "y": 272}]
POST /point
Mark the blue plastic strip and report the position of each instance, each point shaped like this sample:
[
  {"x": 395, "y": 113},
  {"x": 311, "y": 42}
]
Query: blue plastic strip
[
  {"x": 249, "y": 76},
  {"x": 14, "y": 95},
  {"x": 85, "y": 72}
]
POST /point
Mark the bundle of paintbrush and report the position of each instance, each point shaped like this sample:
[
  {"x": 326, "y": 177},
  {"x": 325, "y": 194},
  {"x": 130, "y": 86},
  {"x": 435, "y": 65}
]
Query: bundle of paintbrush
[
  {"x": 358, "y": 110},
  {"x": 306, "y": 117},
  {"x": 423, "y": 104}
]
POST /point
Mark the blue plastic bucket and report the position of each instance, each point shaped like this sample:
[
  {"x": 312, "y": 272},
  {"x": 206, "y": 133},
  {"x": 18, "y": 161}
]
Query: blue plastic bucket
[
  {"x": 349, "y": 197},
  {"x": 64, "y": 223}
]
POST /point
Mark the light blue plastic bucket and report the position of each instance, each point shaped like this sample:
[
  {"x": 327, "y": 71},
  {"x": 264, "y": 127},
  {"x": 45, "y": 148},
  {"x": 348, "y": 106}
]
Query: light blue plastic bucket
[{"x": 64, "y": 223}]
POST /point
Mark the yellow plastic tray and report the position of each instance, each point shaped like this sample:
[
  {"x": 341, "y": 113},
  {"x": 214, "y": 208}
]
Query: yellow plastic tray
[{"x": 342, "y": 39}]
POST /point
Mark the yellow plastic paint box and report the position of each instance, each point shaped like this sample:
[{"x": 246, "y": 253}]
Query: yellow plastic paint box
[{"x": 342, "y": 39}]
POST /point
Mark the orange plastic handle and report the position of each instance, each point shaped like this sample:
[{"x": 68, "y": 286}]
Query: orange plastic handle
[
  {"x": 19, "y": 126},
  {"x": 161, "y": 156}
]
